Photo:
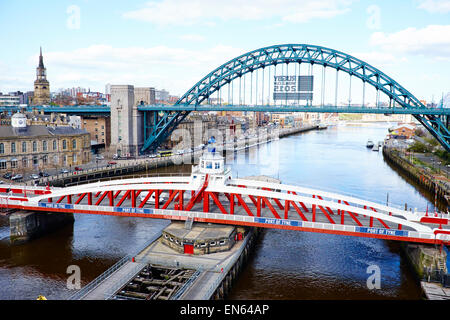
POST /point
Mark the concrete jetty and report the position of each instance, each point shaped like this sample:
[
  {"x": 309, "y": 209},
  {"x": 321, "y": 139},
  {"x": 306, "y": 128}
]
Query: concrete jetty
[{"x": 210, "y": 276}]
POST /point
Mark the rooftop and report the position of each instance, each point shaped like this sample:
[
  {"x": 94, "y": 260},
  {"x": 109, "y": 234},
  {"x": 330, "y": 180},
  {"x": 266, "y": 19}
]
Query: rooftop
[
  {"x": 199, "y": 231},
  {"x": 35, "y": 131}
]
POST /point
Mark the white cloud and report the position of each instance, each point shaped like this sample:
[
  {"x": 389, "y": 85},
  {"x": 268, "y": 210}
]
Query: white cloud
[
  {"x": 432, "y": 41},
  {"x": 182, "y": 12},
  {"x": 192, "y": 37},
  {"x": 435, "y": 6},
  {"x": 379, "y": 59},
  {"x": 92, "y": 67}
]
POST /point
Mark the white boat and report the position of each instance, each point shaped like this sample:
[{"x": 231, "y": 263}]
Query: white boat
[
  {"x": 375, "y": 148},
  {"x": 369, "y": 144}
]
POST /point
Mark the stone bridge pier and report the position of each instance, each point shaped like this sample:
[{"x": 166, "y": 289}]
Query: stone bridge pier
[{"x": 127, "y": 123}]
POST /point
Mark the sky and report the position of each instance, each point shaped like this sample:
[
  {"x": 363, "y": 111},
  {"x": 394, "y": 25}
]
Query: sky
[{"x": 172, "y": 44}]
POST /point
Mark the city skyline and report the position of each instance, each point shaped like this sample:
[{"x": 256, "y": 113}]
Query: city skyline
[{"x": 185, "y": 42}]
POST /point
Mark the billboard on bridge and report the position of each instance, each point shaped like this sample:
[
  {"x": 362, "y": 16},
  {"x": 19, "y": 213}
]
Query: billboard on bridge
[{"x": 293, "y": 87}]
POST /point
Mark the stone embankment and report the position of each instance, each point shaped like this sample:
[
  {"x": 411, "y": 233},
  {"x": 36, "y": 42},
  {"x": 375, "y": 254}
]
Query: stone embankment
[{"x": 434, "y": 183}]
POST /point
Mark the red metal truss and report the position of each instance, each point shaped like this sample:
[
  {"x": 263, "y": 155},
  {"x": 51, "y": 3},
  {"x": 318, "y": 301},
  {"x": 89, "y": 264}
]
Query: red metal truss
[
  {"x": 325, "y": 212},
  {"x": 171, "y": 197},
  {"x": 124, "y": 197},
  {"x": 81, "y": 197},
  {"x": 381, "y": 221},
  {"x": 197, "y": 195},
  {"x": 217, "y": 202},
  {"x": 269, "y": 205},
  {"x": 143, "y": 202},
  {"x": 298, "y": 211},
  {"x": 243, "y": 204},
  {"x": 301, "y": 203},
  {"x": 110, "y": 196}
]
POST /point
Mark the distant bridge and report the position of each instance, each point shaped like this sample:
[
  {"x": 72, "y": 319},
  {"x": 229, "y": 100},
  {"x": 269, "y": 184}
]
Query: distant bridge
[{"x": 155, "y": 123}]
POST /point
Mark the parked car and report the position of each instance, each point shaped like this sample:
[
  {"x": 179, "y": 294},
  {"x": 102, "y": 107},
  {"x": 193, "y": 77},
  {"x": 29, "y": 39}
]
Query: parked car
[
  {"x": 111, "y": 163},
  {"x": 7, "y": 175},
  {"x": 64, "y": 171},
  {"x": 43, "y": 174},
  {"x": 2, "y": 182},
  {"x": 17, "y": 177},
  {"x": 152, "y": 199},
  {"x": 34, "y": 176},
  {"x": 99, "y": 157},
  {"x": 78, "y": 169}
]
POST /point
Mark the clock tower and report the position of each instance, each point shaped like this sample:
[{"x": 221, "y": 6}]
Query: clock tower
[{"x": 41, "y": 85}]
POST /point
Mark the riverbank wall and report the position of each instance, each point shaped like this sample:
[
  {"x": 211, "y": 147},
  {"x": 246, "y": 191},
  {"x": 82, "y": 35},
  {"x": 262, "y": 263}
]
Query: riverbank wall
[
  {"x": 429, "y": 263},
  {"x": 223, "y": 285},
  {"x": 420, "y": 176}
]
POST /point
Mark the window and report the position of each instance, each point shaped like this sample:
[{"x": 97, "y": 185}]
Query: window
[
  {"x": 208, "y": 165},
  {"x": 45, "y": 159},
  {"x": 64, "y": 144},
  {"x": 54, "y": 144},
  {"x": 217, "y": 165},
  {"x": 13, "y": 147},
  {"x": 103, "y": 127},
  {"x": 55, "y": 159},
  {"x": 2, "y": 164},
  {"x": 35, "y": 160},
  {"x": 13, "y": 163},
  {"x": 74, "y": 157},
  {"x": 2, "y": 148},
  {"x": 25, "y": 162},
  {"x": 24, "y": 147},
  {"x": 74, "y": 144},
  {"x": 65, "y": 160},
  {"x": 34, "y": 146},
  {"x": 44, "y": 145}
]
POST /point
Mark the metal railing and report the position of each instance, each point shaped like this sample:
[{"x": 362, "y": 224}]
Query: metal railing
[
  {"x": 123, "y": 280},
  {"x": 437, "y": 276},
  {"x": 134, "y": 176},
  {"x": 93, "y": 284},
  {"x": 186, "y": 285},
  {"x": 224, "y": 271}
]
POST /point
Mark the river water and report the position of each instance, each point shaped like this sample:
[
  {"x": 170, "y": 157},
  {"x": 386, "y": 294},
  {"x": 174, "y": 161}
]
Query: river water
[{"x": 285, "y": 264}]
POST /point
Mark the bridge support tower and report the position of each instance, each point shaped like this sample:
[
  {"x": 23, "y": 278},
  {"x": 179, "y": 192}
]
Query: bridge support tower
[{"x": 127, "y": 123}]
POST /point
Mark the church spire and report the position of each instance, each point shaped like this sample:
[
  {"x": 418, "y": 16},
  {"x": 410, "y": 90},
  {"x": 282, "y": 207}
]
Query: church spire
[{"x": 41, "y": 59}]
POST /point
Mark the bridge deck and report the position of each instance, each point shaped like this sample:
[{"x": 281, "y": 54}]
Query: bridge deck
[
  {"x": 120, "y": 276},
  {"x": 239, "y": 202}
]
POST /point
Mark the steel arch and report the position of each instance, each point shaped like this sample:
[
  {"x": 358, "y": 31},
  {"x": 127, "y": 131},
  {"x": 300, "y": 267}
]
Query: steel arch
[{"x": 298, "y": 53}]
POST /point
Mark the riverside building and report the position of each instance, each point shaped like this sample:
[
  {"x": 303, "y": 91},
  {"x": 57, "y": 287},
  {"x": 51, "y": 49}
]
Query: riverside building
[{"x": 36, "y": 147}]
